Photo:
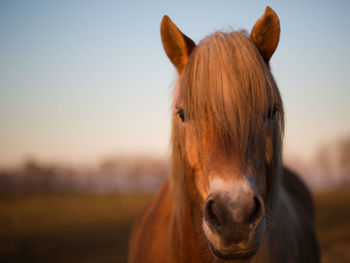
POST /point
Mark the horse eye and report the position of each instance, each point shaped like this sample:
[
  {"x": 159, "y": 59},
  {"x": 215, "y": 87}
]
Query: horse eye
[
  {"x": 272, "y": 112},
  {"x": 181, "y": 114}
]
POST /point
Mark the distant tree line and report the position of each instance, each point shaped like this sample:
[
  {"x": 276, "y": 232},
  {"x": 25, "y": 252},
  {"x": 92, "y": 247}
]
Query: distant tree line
[
  {"x": 331, "y": 168},
  {"x": 112, "y": 175}
]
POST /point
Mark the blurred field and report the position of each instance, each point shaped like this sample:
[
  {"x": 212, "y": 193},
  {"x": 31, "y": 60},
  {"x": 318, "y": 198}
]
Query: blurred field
[
  {"x": 95, "y": 228},
  {"x": 333, "y": 225},
  {"x": 67, "y": 228}
]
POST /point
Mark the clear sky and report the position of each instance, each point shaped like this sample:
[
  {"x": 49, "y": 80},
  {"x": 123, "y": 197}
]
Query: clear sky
[{"x": 82, "y": 80}]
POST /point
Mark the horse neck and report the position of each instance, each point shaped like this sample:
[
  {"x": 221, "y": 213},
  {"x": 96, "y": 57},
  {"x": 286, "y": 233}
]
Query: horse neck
[{"x": 188, "y": 235}]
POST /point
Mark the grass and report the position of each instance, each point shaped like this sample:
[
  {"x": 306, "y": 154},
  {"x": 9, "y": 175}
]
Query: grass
[
  {"x": 67, "y": 228},
  {"x": 333, "y": 225},
  {"x": 95, "y": 228}
]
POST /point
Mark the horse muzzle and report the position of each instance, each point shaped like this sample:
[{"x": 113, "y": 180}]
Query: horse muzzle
[{"x": 233, "y": 223}]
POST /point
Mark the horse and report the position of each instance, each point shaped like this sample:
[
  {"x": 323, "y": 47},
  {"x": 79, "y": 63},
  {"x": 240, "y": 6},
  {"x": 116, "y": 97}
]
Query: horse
[{"x": 229, "y": 197}]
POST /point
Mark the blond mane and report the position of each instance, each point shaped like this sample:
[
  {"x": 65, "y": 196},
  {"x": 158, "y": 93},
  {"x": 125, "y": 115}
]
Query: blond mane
[{"x": 227, "y": 90}]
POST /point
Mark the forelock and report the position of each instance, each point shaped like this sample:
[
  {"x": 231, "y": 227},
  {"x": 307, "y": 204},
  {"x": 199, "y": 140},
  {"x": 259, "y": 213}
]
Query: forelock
[{"x": 227, "y": 89}]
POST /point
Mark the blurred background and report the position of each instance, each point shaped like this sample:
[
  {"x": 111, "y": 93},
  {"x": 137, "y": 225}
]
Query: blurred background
[{"x": 85, "y": 97}]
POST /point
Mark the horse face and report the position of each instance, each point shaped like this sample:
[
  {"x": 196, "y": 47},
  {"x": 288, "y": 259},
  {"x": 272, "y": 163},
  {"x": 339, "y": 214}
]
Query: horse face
[
  {"x": 226, "y": 138},
  {"x": 231, "y": 190}
]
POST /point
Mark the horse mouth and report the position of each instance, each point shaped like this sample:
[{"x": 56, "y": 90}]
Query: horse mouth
[{"x": 235, "y": 255}]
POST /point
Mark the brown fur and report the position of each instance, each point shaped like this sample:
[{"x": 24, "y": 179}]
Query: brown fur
[
  {"x": 175, "y": 42},
  {"x": 267, "y": 27},
  {"x": 227, "y": 94}
]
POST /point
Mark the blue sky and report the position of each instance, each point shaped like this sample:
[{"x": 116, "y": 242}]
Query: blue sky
[{"x": 83, "y": 80}]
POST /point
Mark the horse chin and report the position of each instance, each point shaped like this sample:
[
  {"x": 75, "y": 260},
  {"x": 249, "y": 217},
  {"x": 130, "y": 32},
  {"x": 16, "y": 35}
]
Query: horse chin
[
  {"x": 232, "y": 254},
  {"x": 245, "y": 255}
]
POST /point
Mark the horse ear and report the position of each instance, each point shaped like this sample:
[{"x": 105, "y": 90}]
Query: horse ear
[
  {"x": 266, "y": 33},
  {"x": 177, "y": 45}
]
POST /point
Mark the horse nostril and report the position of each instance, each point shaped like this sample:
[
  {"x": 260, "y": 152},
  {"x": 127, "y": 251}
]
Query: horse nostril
[
  {"x": 256, "y": 211},
  {"x": 210, "y": 213}
]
